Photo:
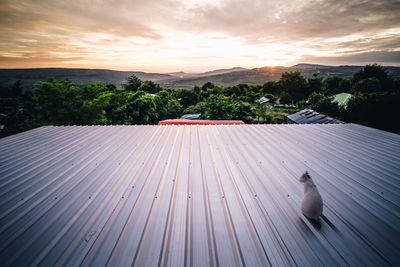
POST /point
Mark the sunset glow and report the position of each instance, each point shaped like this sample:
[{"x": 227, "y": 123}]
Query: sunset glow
[{"x": 197, "y": 35}]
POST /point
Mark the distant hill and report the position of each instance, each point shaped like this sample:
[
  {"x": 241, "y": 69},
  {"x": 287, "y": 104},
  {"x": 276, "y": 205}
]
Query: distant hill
[
  {"x": 253, "y": 76},
  {"x": 224, "y": 77},
  {"x": 310, "y": 66},
  {"x": 29, "y": 77},
  {"x": 221, "y": 71},
  {"x": 265, "y": 74}
]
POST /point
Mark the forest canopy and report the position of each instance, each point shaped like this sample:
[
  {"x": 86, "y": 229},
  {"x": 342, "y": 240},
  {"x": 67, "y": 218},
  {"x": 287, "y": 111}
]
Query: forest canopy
[{"x": 375, "y": 96}]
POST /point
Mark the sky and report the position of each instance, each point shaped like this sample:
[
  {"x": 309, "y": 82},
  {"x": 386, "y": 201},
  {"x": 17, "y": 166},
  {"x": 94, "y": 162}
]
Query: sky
[{"x": 197, "y": 35}]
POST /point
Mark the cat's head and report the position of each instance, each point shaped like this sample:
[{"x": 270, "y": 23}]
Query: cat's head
[{"x": 304, "y": 177}]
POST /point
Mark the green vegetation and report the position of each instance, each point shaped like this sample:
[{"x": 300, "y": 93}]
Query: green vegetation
[{"x": 62, "y": 102}]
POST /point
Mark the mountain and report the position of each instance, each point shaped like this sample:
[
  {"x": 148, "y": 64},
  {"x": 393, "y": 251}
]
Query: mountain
[
  {"x": 310, "y": 66},
  {"x": 29, "y": 77},
  {"x": 253, "y": 76},
  {"x": 182, "y": 74},
  {"x": 224, "y": 77},
  {"x": 220, "y": 71}
]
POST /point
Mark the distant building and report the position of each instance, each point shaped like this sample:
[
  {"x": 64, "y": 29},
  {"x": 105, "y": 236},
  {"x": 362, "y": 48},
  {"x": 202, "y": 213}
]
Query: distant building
[
  {"x": 191, "y": 116},
  {"x": 309, "y": 116},
  {"x": 267, "y": 101},
  {"x": 264, "y": 100},
  {"x": 342, "y": 99}
]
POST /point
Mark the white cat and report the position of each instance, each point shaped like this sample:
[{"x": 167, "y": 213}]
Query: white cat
[{"x": 312, "y": 204}]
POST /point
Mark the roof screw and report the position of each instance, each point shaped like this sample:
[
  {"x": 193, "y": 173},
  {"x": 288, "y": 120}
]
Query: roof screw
[
  {"x": 255, "y": 195},
  {"x": 382, "y": 193},
  {"x": 189, "y": 196},
  {"x": 223, "y": 196},
  {"x": 351, "y": 193},
  {"x": 90, "y": 197},
  {"x": 288, "y": 195}
]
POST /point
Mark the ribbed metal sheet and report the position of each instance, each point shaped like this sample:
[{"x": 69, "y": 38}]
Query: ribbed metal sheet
[
  {"x": 309, "y": 116},
  {"x": 198, "y": 195}
]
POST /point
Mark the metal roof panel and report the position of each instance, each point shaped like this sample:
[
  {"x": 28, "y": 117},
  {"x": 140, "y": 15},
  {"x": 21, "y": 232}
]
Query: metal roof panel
[{"x": 198, "y": 195}]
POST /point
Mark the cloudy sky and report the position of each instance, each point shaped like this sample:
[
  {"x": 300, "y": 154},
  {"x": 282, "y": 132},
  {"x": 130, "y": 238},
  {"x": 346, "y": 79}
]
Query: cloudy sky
[{"x": 197, "y": 35}]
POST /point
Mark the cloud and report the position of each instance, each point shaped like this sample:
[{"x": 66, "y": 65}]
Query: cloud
[
  {"x": 387, "y": 57},
  {"x": 118, "y": 18},
  {"x": 148, "y": 32},
  {"x": 297, "y": 20}
]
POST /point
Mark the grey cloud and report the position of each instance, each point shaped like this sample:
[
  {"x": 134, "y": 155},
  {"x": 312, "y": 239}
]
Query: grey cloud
[
  {"x": 255, "y": 21},
  {"x": 372, "y": 43},
  {"x": 295, "y": 20},
  {"x": 381, "y": 57},
  {"x": 52, "y": 25},
  {"x": 122, "y": 18}
]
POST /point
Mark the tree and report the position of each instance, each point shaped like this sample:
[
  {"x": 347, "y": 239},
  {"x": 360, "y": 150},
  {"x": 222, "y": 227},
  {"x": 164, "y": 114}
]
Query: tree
[
  {"x": 367, "y": 85},
  {"x": 285, "y": 98},
  {"x": 334, "y": 85},
  {"x": 168, "y": 107},
  {"x": 186, "y": 97},
  {"x": 14, "y": 111},
  {"x": 315, "y": 98},
  {"x": 294, "y": 84},
  {"x": 133, "y": 83},
  {"x": 245, "y": 111},
  {"x": 196, "y": 109},
  {"x": 55, "y": 102},
  {"x": 150, "y": 87},
  {"x": 232, "y": 91},
  {"x": 137, "y": 108},
  {"x": 271, "y": 87},
  {"x": 261, "y": 111},
  {"x": 93, "y": 111},
  {"x": 324, "y": 104},
  {"x": 374, "y": 109},
  {"x": 357, "y": 108},
  {"x": 377, "y": 78},
  {"x": 219, "y": 108},
  {"x": 207, "y": 85},
  {"x": 371, "y": 71},
  {"x": 314, "y": 84}
]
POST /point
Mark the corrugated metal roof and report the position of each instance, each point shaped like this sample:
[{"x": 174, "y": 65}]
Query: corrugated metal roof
[
  {"x": 198, "y": 195},
  {"x": 309, "y": 116}
]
